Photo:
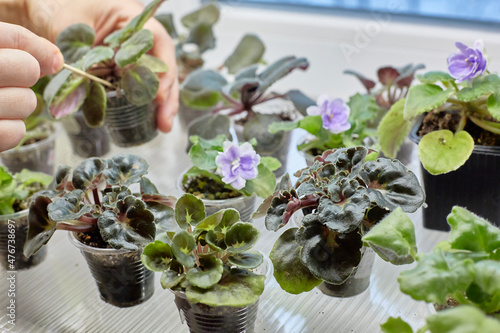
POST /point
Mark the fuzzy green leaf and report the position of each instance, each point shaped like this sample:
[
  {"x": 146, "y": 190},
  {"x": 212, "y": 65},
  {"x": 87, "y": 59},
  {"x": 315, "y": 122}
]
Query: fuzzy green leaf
[
  {"x": 263, "y": 185},
  {"x": 170, "y": 279},
  {"x": 208, "y": 14},
  {"x": 240, "y": 237},
  {"x": 291, "y": 274},
  {"x": 183, "y": 244},
  {"x": 125, "y": 169},
  {"x": 435, "y": 76},
  {"x": 485, "y": 290},
  {"x": 425, "y": 97},
  {"x": 248, "y": 52},
  {"x": 94, "y": 107},
  {"x": 189, "y": 211},
  {"x": 97, "y": 55},
  {"x": 249, "y": 260},
  {"x": 494, "y": 105},
  {"x": 270, "y": 163},
  {"x": 203, "y": 36},
  {"x": 75, "y": 41},
  {"x": 140, "y": 85},
  {"x": 481, "y": 86},
  {"x": 396, "y": 325},
  {"x": 442, "y": 151},
  {"x": 393, "y": 238},
  {"x": 40, "y": 226},
  {"x": 393, "y": 129},
  {"x": 154, "y": 64},
  {"x": 286, "y": 126},
  {"x": 88, "y": 173},
  {"x": 207, "y": 274},
  {"x": 462, "y": 319},
  {"x": 203, "y": 158},
  {"x": 157, "y": 256},
  {"x": 202, "y": 89}
]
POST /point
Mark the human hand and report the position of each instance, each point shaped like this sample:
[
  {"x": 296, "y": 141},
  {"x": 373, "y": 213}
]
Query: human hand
[
  {"x": 105, "y": 17},
  {"x": 24, "y": 57}
]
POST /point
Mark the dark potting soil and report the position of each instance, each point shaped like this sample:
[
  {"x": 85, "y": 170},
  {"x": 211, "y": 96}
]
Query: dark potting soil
[
  {"x": 93, "y": 239},
  {"x": 450, "y": 120},
  {"x": 34, "y": 140},
  {"x": 206, "y": 188},
  {"x": 450, "y": 303}
]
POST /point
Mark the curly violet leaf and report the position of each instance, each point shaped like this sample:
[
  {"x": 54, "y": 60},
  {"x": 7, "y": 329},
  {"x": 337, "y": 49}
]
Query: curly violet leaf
[
  {"x": 248, "y": 260},
  {"x": 407, "y": 73},
  {"x": 113, "y": 195},
  {"x": 189, "y": 210},
  {"x": 164, "y": 216},
  {"x": 133, "y": 48},
  {"x": 75, "y": 41},
  {"x": 237, "y": 288},
  {"x": 140, "y": 85},
  {"x": 387, "y": 75},
  {"x": 393, "y": 238},
  {"x": 465, "y": 318},
  {"x": 346, "y": 214},
  {"x": 202, "y": 89},
  {"x": 279, "y": 69},
  {"x": 367, "y": 83},
  {"x": 348, "y": 159},
  {"x": 88, "y": 174},
  {"x": 97, "y": 55},
  {"x": 241, "y": 236},
  {"x": 132, "y": 228},
  {"x": 391, "y": 184},
  {"x": 147, "y": 187},
  {"x": 207, "y": 274},
  {"x": 396, "y": 325},
  {"x": 60, "y": 178},
  {"x": 393, "y": 129},
  {"x": 283, "y": 185},
  {"x": 183, "y": 244},
  {"x": 249, "y": 51},
  {"x": 289, "y": 271},
  {"x": 157, "y": 256},
  {"x": 94, "y": 106},
  {"x": 443, "y": 151},
  {"x": 125, "y": 169},
  {"x": 276, "y": 212},
  {"x": 471, "y": 233},
  {"x": 69, "y": 207},
  {"x": 70, "y": 97},
  {"x": 40, "y": 226},
  {"x": 425, "y": 97},
  {"x": 436, "y": 276},
  {"x": 328, "y": 255}
]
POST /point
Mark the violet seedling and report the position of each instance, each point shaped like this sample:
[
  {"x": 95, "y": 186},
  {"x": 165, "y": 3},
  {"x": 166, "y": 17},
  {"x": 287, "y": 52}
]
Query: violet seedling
[
  {"x": 207, "y": 257},
  {"x": 469, "y": 92},
  {"x": 343, "y": 197},
  {"x": 120, "y": 64},
  {"x": 96, "y": 198},
  {"x": 464, "y": 268},
  {"x": 237, "y": 168}
]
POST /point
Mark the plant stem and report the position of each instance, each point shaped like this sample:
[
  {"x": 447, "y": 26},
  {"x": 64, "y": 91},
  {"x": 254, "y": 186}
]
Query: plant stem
[
  {"x": 89, "y": 76},
  {"x": 77, "y": 228},
  {"x": 96, "y": 197}
]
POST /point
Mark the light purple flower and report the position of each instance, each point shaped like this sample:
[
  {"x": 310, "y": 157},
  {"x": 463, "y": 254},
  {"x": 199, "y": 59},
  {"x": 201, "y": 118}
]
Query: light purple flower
[
  {"x": 468, "y": 62},
  {"x": 334, "y": 113},
  {"x": 237, "y": 164}
]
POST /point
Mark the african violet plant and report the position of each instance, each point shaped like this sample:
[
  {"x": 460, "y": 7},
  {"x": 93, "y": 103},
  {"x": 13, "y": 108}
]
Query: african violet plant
[
  {"x": 207, "y": 257},
  {"x": 343, "y": 197},
  {"x": 120, "y": 64},
  {"x": 96, "y": 199},
  {"x": 209, "y": 90},
  {"x": 235, "y": 169},
  {"x": 199, "y": 38},
  {"x": 460, "y": 274},
  {"x": 460, "y": 103}
]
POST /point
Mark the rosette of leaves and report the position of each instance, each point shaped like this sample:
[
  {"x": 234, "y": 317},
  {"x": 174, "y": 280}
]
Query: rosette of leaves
[
  {"x": 207, "y": 257},
  {"x": 198, "y": 39},
  {"x": 343, "y": 196},
  {"x": 95, "y": 198},
  {"x": 16, "y": 189},
  {"x": 209, "y": 90},
  {"x": 474, "y": 103},
  {"x": 203, "y": 153},
  {"x": 465, "y": 268},
  {"x": 120, "y": 64}
]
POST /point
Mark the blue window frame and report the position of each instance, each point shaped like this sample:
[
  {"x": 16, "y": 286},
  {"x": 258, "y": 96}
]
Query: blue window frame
[{"x": 475, "y": 11}]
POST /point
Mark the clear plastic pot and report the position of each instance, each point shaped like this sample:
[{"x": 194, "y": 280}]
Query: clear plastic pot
[
  {"x": 15, "y": 261},
  {"x": 187, "y": 115},
  {"x": 38, "y": 156},
  {"x": 127, "y": 124},
  {"x": 86, "y": 141},
  {"x": 121, "y": 278},
  {"x": 244, "y": 205}
]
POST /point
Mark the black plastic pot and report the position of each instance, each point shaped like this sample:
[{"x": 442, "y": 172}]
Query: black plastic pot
[
  {"x": 129, "y": 125},
  {"x": 474, "y": 186},
  {"x": 38, "y": 156},
  {"x": 202, "y": 318},
  {"x": 359, "y": 280},
  {"x": 12, "y": 258},
  {"x": 121, "y": 278},
  {"x": 86, "y": 141}
]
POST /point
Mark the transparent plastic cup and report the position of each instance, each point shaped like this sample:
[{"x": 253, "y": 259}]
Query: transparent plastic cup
[
  {"x": 38, "y": 156},
  {"x": 129, "y": 125},
  {"x": 17, "y": 232},
  {"x": 86, "y": 141},
  {"x": 121, "y": 278}
]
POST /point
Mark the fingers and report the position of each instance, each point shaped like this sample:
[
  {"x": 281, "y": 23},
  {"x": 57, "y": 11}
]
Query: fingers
[
  {"x": 11, "y": 133},
  {"x": 168, "y": 109},
  {"x": 16, "y": 103},
  {"x": 18, "y": 68},
  {"x": 48, "y": 56}
]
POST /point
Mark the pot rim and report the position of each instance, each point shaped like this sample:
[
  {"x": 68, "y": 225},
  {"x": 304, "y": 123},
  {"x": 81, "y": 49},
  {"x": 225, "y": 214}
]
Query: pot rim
[
  {"x": 243, "y": 197},
  {"x": 95, "y": 250},
  {"x": 36, "y": 145}
]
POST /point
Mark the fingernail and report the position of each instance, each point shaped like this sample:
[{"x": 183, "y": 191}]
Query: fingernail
[{"x": 57, "y": 62}]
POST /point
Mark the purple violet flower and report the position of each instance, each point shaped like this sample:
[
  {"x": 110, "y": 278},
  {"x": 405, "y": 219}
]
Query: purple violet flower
[
  {"x": 333, "y": 112},
  {"x": 237, "y": 164},
  {"x": 468, "y": 62}
]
